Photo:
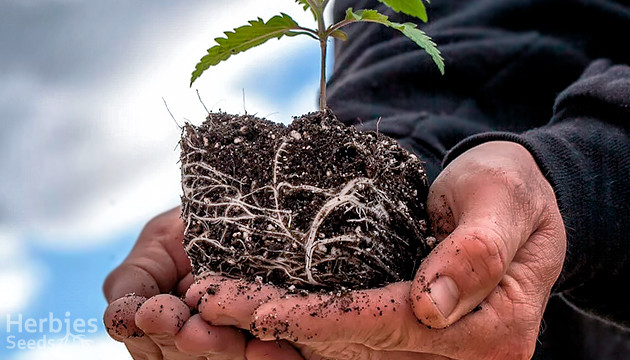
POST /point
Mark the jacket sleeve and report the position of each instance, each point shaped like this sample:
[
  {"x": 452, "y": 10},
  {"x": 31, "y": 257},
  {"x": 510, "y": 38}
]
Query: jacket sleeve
[
  {"x": 510, "y": 68},
  {"x": 584, "y": 152}
]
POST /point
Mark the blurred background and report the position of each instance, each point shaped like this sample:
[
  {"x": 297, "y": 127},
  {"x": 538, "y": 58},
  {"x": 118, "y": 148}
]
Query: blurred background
[{"x": 88, "y": 149}]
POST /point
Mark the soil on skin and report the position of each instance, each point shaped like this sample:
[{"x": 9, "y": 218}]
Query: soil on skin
[{"x": 316, "y": 205}]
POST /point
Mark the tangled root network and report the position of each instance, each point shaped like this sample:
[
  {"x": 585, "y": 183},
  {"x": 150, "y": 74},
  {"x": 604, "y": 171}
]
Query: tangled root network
[{"x": 315, "y": 205}]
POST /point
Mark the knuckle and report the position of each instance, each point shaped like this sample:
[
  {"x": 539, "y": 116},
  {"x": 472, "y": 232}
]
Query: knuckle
[
  {"x": 491, "y": 174},
  {"x": 158, "y": 226},
  {"x": 384, "y": 340},
  {"x": 118, "y": 276},
  {"x": 164, "y": 224},
  {"x": 516, "y": 189},
  {"x": 485, "y": 253}
]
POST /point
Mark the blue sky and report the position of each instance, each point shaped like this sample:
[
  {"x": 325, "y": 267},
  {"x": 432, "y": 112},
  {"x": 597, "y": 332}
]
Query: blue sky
[{"x": 89, "y": 150}]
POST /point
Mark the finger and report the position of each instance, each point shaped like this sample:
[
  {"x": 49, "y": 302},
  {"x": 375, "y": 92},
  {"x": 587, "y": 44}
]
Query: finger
[
  {"x": 184, "y": 284},
  {"x": 271, "y": 350},
  {"x": 199, "y": 288},
  {"x": 376, "y": 318},
  {"x": 155, "y": 264},
  {"x": 199, "y": 338},
  {"x": 494, "y": 218},
  {"x": 458, "y": 275},
  {"x": 383, "y": 321},
  {"x": 119, "y": 318},
  {"x": 161, "y": 317},
  {"x": 230, "y": 302}
]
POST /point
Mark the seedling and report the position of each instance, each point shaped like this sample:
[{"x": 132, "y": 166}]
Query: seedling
[
  {"x": 316, "y": 205},
  {"x": 258, "y": 32}
]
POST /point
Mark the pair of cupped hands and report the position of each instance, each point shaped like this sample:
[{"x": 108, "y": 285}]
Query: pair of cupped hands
[{"x": 480, "y": 294}]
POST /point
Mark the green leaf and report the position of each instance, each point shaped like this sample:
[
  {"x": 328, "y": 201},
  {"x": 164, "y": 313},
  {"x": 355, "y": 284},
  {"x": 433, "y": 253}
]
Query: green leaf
[
  {"x": 338, "y": 34},
  {"x": 245, "y": 38},
  {"x": 367, "y": 15},
  {"x": 410, "y": 7},
  {"x": 408, "y": 29},
  {"x": 304, "y": 4}
]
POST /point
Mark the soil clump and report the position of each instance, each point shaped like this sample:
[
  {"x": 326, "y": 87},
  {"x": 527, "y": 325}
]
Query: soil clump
[{"x": 315, "y": 205}]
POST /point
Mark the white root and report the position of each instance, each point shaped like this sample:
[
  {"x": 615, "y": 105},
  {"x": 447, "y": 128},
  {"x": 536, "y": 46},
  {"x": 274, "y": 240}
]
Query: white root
[{"x": 238, "y": 209}]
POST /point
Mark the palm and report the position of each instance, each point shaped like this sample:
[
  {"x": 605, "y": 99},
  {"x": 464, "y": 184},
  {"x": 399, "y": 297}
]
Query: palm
[
  {"x": 502, "y": 245},
  {"x": 152, "y": 323}
]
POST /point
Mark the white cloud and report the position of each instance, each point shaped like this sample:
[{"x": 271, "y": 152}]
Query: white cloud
[
  {"x": 97, "y": 156},
  {"x": 98, "y": 348},
  {"x": 20, "y": 288},
  {"x": 20, "y": 277}
]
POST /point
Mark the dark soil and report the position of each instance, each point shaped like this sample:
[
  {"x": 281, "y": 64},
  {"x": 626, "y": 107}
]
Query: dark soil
[{"x": 316, "y": 205}]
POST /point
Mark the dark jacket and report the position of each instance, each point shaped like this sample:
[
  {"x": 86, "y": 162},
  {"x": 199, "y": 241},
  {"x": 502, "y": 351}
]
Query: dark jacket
[{"x": 552, "y": 75}]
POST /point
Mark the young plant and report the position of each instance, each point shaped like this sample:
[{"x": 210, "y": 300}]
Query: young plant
[
  {"x": 314, "y": 205},
  {"x": 259, "y": 32}
]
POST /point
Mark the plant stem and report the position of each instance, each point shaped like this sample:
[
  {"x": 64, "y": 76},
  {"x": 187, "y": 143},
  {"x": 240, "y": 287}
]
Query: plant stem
[
  {"x": 340, "y": 24},
  {"x": 322, "y": 81},
  {"x": 323, "y": 37}
]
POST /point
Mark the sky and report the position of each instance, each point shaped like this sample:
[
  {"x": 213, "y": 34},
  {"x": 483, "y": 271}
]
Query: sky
[{"x": 89, "y": 149}]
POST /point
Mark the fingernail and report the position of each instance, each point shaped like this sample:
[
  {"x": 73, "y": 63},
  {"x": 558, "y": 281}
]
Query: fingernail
[{"x": 444, "y": 295}]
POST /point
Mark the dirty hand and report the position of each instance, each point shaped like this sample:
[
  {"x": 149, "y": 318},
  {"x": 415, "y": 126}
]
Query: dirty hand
[
  {"x": 141, "y": 313},
  {"x": 480, "y": 294}
]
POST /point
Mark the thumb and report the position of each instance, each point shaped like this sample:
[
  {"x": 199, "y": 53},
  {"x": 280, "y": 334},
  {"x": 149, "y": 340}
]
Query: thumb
[
  {"x": 459, "y": 274},
  {"x": 493, "y": 198}
]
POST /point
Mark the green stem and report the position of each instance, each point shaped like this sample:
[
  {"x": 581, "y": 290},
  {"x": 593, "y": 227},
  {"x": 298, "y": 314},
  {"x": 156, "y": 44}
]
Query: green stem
[
  {"x": 318, "y": 7},
  {"x": 309, "y": 32},
  {"x": 322, "y": 81},
  {"x": 339, "y": 25},
  {"x": 323, "y": 37},
  {"x": 312, "y": 4}
]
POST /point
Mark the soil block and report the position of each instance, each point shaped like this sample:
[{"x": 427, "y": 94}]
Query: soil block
[{"x": 315, "y": 205}]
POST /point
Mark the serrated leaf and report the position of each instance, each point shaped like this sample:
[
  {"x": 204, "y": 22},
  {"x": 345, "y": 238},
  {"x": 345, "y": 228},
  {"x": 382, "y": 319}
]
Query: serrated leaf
[
  {"x": 304, "y": 4},
  {"x": 338, "y": 34},
  {"x": 367, "y": 15},
  {"x": 408, "y": 29},
  {"x": 410, "y": 7},
  {"x": 245, "y": 38}
]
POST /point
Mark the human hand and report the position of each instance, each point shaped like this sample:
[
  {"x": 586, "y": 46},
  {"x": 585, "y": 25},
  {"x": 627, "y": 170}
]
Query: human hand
[
  {"x": 142, "y": 314},
  {"x": 306, "y": 327},
  {"x": 502, "y": 248}
]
